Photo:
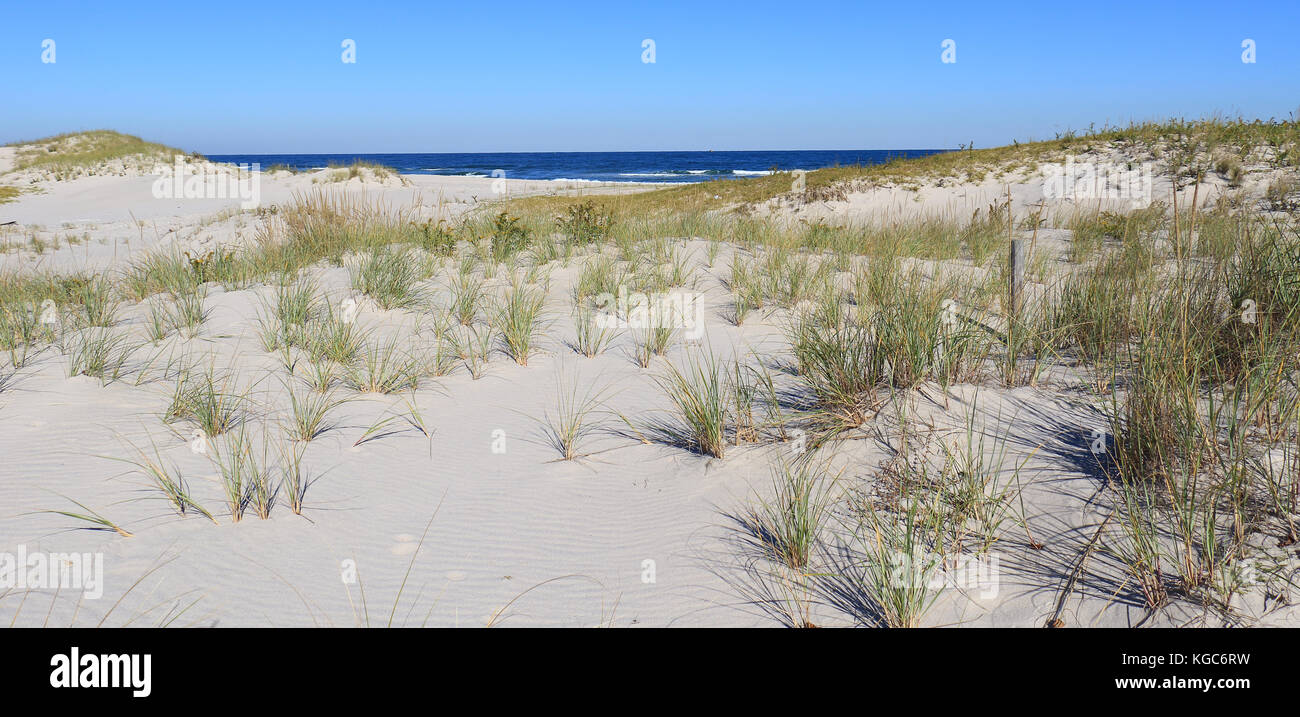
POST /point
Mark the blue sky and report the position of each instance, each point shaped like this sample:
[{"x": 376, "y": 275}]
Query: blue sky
[{"x": 236, "y": 77}]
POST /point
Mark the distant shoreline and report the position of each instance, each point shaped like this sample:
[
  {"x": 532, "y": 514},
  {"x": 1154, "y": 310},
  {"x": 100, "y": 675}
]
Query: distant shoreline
[{"x": 676, "y": 167}]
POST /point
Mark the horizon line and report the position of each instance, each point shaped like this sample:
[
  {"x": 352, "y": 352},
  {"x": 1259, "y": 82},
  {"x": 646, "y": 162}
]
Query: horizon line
[{"x": 597, "y": 151}]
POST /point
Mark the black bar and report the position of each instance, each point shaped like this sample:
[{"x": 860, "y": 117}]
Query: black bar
[{"x": 303, "y": 666}]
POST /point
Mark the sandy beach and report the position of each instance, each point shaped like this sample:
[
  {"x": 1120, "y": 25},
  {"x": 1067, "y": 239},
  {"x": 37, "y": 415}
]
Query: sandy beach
[{"x": 434, "y": 488}]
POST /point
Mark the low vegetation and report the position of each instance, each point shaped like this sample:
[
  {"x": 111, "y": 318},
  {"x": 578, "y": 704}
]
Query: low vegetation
[{"x": 1179, "y": 327}]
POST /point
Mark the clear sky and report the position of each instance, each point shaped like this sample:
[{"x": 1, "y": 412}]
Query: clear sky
[{"x": 470, "y": 76}]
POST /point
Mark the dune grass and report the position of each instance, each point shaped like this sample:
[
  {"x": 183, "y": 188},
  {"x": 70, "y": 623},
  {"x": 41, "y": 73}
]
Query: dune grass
[
  {"x": 359, "y": 169},
  {"x": 72, "y": 153},
  {"x": 383, "y": 367},
  {"x": 209, "y": 400},
  {"x": 698, "y": 393},
  {"x": 167, "y": 480},
  {"x": 99, "y": 353},
  {"x": 651, "y": 341},
  {"x": 569, "y": 425},
  {"x": 1185, "y": 328},
  {"x": 91, "y": 520},
  {"x": 790, "y": 524},
  {"x": 518, "y": 318},
  {"x": 591, "y": 337},
  {"x": 389, "y": 276},
  {"x": 309, "y": 412}
]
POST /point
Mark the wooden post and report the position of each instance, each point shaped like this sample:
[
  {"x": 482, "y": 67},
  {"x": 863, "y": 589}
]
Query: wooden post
[
  {"x": 1017, "y": 276},
  {"x": 1017, "y": 256}
]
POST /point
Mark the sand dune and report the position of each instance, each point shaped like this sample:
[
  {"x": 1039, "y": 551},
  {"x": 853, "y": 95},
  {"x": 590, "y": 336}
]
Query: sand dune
[{"x": 637, "y": 532}]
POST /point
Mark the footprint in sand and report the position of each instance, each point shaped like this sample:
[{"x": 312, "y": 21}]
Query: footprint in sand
[{"x": 405, "y": 545}]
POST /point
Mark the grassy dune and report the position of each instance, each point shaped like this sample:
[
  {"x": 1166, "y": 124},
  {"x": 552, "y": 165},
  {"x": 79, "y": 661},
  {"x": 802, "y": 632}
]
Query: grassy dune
[
  {"x": 1191, "y": 147},
  {"x": 77, "y": 152}
]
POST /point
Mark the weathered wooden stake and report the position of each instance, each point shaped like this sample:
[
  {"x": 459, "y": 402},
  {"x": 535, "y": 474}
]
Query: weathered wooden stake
[
  {"x": 1017, "y": 256},
  {"x": 1017, "y": 275}
]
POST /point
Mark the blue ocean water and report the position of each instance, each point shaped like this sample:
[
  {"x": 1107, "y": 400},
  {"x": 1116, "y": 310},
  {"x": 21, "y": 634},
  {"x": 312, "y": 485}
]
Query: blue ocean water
[{"x": 594, "y": 166}]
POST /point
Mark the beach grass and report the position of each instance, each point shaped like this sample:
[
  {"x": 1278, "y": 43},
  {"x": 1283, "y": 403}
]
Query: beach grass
[{"x": 67, "y": 154}]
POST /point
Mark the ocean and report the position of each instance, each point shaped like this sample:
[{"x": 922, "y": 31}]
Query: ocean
[{"x": 594, "y": 166}]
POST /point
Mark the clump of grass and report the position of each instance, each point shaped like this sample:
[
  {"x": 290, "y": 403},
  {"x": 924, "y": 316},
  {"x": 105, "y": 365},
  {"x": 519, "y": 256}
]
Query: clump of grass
[
  {"x": 908, "y": 333},
  {"x": 389, "y": 276},
  {"x": 591, "y": 337},
  {"x": 1094, "y": 311},
  {"x": 896, "y": 569},
  {"x": 321, "y": 375},
  {"x": 841, "y": 366},
  {"x": 585, "y": 223},
  {"x": 476, "y": 349},
  {"x": 970, "y": 497},
  {"x": 334, "y": 338},
  {"x": 600, "y": 276},
  {"x": 569, "y": 426},
  {"x": 189, "y": 313},
  {"x": 1140, "y": 548},
  {"x": 383, "y": 368},
  {"x": 161, "y": 272},
  {"x": 440, "y": 359},
  {"x": 699, "y": 397},
  {"x": 98, "y": 353},
  {"x": 207, "y": 400},
  {"x": 790, "y": 524},
  {"x": 21, "y": 332},
  {"x": 509, "y": 236},
  {"x": 294, "y": 479},
  {"x": 519, "y": 321},
  {"x": 651, "y": 342},
  {"x": 984, "y": 233},
  {"x": 157, "y": 320},
  {"x": 98, "y": 302},
  {"x": 1282, "y": 195},
  {"x": 466, "y": 296},
  {"x": 742, "y": 304},
  {"x": 309, "y": 412},
  {"x": 297, "y": 305},
  {"x": 245, "y": 481}
]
